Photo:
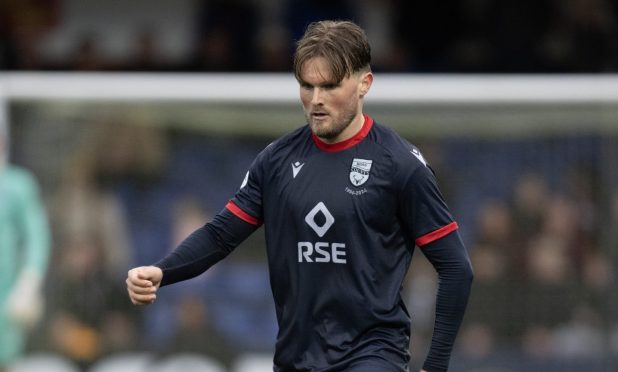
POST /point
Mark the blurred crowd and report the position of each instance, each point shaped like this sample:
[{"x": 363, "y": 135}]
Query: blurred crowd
[
  {"x": 539, "y": 215},
  {"x": 534, "y": 217},
  {"x": 480, "y": 36},
  {"x": 543, "y": 251},
  {"x": 125, "y": 194}
]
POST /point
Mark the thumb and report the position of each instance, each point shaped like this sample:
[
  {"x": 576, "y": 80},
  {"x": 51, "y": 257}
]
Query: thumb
[{"x": 142, "y": 273}]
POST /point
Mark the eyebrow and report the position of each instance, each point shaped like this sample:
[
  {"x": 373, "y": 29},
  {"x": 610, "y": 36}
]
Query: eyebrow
[{"x": 321, "y": 84}]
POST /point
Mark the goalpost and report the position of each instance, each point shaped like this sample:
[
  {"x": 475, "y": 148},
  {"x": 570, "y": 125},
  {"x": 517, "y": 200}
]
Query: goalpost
[
  {"x": 267, "y": 104},
  {"x": 282, "y": 88}
]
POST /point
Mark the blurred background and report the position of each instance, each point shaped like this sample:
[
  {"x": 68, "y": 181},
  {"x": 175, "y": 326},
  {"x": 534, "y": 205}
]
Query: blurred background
[
  {"x": 533, "y": 184},
  {"x": 250, "y": 35}
]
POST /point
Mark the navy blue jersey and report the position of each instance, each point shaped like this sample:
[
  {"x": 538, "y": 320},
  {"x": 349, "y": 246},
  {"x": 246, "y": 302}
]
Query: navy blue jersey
[{"x": 341, "y": 222}]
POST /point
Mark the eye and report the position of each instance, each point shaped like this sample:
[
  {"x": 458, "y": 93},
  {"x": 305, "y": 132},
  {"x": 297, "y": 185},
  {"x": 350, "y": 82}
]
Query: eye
[
  {"x": 330, "y": 86},
  {"x": 306, "y": 86}
]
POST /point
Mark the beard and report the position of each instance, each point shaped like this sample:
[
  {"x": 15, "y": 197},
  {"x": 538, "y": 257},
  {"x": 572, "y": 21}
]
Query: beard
[{"x": 331, "y": 126}]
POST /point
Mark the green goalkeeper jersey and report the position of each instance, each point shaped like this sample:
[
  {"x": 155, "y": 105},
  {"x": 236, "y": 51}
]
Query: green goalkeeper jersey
[{"x": 24, "y": 245}]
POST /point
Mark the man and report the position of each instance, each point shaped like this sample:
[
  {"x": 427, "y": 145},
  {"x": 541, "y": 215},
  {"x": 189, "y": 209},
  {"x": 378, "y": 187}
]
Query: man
[
  {"x": 343, "y": 201},
  {"x": 24, "y": 252}
]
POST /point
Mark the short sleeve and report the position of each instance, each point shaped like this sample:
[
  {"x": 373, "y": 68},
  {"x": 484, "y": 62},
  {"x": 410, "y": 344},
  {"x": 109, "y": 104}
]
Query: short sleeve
[{"x": 423, "y": 211}]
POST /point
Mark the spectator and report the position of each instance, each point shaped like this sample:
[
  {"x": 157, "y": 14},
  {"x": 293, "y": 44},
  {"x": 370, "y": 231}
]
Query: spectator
[
  {"x": 84, "y": 205},
  {"x": 23, "y": 25},
  {"x": 582, "y": 36},
  {"x": 84, "y": 299},
  {"x": 226, "y": 37},
  {"x": 146, "y": 55},
  {"x": 87, "y": 56},
  {"x": 486, "y": 328},
  {"x": 196, "y": 334},
  {"x": 528, "y": 205}
]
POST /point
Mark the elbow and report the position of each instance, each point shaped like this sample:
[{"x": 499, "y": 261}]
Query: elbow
[
  {"x": 460, "y": 276},
  {"x": 466, "y": 272},
  {"x": 461, "y": 273},
  {"x": 468, "y": 275}
]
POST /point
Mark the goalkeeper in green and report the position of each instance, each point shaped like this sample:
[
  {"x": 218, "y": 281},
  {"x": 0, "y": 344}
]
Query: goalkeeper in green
[{"x": 24, "y": 251}]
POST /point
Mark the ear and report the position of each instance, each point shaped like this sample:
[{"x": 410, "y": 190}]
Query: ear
[{"x": 365, "y": 83}]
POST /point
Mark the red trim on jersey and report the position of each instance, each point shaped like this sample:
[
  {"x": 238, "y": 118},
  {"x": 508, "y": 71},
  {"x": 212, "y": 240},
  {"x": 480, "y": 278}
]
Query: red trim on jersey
[
  {"x": 344, "y": 145},
  {"x": 232, "y": 207},
  {"x": 437, "y": 234}
]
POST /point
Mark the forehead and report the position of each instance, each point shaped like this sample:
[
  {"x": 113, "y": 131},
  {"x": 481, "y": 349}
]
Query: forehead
[{"x": 316, "y": 69}]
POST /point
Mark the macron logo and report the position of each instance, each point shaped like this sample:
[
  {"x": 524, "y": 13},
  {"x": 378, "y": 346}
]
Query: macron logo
[
  {"x": 244, "y": 182},
  {"x": 296, "y": 168},
  {"x": 419, "y": 156}
]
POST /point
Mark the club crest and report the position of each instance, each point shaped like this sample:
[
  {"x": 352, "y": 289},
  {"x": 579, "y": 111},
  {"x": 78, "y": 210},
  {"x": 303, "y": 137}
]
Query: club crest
[{"x": 359, "y": 172}]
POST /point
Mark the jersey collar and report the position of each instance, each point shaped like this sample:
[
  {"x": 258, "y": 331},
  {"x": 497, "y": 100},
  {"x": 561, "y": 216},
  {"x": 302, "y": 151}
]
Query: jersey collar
[{"x": 350, "y": 142}]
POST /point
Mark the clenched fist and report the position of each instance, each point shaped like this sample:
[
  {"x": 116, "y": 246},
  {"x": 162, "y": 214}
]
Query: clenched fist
[{"x": 142, "y": 284}]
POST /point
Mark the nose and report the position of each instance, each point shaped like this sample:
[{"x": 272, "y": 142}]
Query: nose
[{"x": 316, "y": 97}]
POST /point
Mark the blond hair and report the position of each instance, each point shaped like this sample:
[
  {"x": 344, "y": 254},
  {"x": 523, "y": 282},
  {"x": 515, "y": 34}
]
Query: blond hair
[{"x": 342, "y": 43}]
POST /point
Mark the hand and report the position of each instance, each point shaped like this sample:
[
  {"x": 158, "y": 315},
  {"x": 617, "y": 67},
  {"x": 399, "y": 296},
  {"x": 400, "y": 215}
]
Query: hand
[
  {"x": 25, "y": 303},
  {"x": 142, "y": 284}
]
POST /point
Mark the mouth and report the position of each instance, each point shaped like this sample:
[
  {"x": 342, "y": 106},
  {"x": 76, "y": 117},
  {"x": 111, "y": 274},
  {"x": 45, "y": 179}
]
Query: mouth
[{"x": 318, "y": 115}]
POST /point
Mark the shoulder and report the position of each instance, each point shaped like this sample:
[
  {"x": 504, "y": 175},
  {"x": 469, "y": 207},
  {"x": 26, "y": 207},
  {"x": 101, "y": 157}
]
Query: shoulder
[
  {"x": 18, "y": 174},
  {"x": 280, "y": 149},
  {"x": 287, "y": 142},
  {"x": 403, "y": 153},
  {"x": 19, "y": 180}
]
